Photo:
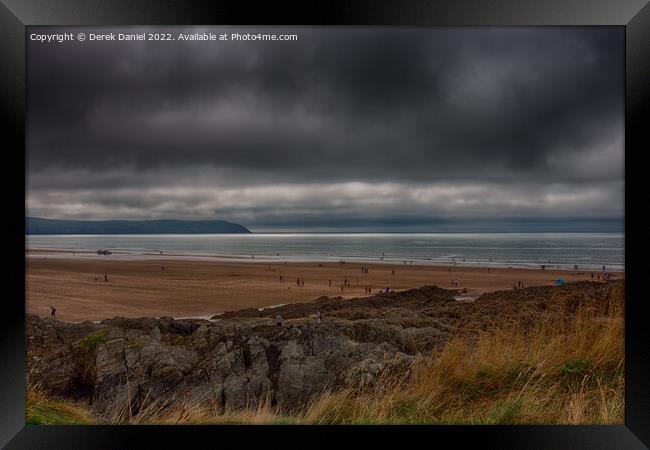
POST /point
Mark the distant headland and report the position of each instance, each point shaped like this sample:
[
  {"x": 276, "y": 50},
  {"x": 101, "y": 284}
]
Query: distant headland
[{"x": 37, "y": 225}]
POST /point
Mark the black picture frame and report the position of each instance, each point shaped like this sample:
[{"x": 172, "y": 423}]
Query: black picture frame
[{"x": 634, "y": 15}]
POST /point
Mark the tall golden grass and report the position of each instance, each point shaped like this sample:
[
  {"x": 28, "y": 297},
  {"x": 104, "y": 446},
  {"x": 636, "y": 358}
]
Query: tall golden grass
[{"x": 564, "y": 367}]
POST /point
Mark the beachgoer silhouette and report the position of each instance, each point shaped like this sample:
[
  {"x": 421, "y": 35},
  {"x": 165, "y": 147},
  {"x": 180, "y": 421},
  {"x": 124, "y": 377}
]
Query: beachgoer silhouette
[
  {"x": 278, "y": 320},
  {"x": 52, "y": 311},
  {"x": 105, "y": 277},
  {"x": 330, "y": 282},
  {"x": 319, "y": 317}
]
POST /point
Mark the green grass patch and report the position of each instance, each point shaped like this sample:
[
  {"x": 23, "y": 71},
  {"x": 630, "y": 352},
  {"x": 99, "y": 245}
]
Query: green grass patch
[
  {"x": 43, "y": 410},
  {"x": 576, "y": 367},
  {"x": 90, "y": 342},
  {"x": 505, "y": 412}
]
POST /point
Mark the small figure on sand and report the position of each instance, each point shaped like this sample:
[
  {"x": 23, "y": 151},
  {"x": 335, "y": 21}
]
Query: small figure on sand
[
  {"x": 52, "y": 312},
  {"x": 105, "y": 277},
  {"x": 162, "y": 268},
  {"x": 330, "y": 282},
  {"x": 278, "y": 320},
  {"x": 297, "y": 281},
  {"x": 319, "y": 317},
  {"x": 393, "y": 272},
  {"x": 302, "y": 282},
  {"x": 280, "y": 278}
]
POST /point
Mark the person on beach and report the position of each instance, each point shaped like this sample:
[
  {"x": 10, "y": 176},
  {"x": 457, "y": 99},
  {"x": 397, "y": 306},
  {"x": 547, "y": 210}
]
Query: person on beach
[
  {"x": 302, "y": 282},
  {"x": 393, "y": 272},
  {"x": 105, "y": 277},
  {"x": 52, "y": 312},
  {"x": 330, "y": 282},
  {"x": 278, "y": 320},
  {"x": 162, "y": 268},
  {"x": 280, "y": 278},
  {"x": 319, "y": 317},
  {"x": 297, "y": 281}
]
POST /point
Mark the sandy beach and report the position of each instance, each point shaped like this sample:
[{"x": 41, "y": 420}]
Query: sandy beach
[{"x": 185, "y": 288}]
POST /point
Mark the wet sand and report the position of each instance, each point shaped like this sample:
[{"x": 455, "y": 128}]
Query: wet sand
[{"x": 140, "y": 288}]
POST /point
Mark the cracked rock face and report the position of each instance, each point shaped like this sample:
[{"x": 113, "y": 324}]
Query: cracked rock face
[
  {"x": 243, "y": 358},
  {"x": 224, "y": 364}
]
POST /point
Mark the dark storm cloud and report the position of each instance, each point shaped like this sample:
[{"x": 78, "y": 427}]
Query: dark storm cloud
[{"x": 481, "y": 113}]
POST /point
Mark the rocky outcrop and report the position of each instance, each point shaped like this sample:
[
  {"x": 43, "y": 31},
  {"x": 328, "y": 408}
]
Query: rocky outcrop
[{"x": 242, "y": 358}]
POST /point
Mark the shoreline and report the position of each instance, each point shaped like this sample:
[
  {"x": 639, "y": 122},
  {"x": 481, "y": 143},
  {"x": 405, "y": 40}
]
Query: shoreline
[{"x": 270, "y": 259}]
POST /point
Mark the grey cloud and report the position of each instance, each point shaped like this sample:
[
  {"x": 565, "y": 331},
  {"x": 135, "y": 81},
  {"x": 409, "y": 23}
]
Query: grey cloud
[{"x": 538, "y": 107}]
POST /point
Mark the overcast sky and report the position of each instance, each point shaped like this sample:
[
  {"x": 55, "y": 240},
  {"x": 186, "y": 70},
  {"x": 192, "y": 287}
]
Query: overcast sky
[{"x": 345, "y": 128}]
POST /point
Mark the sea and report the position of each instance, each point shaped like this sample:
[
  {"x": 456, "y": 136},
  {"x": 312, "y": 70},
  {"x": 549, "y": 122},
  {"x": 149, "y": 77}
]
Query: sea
[{"x": 524, "y": 250}]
